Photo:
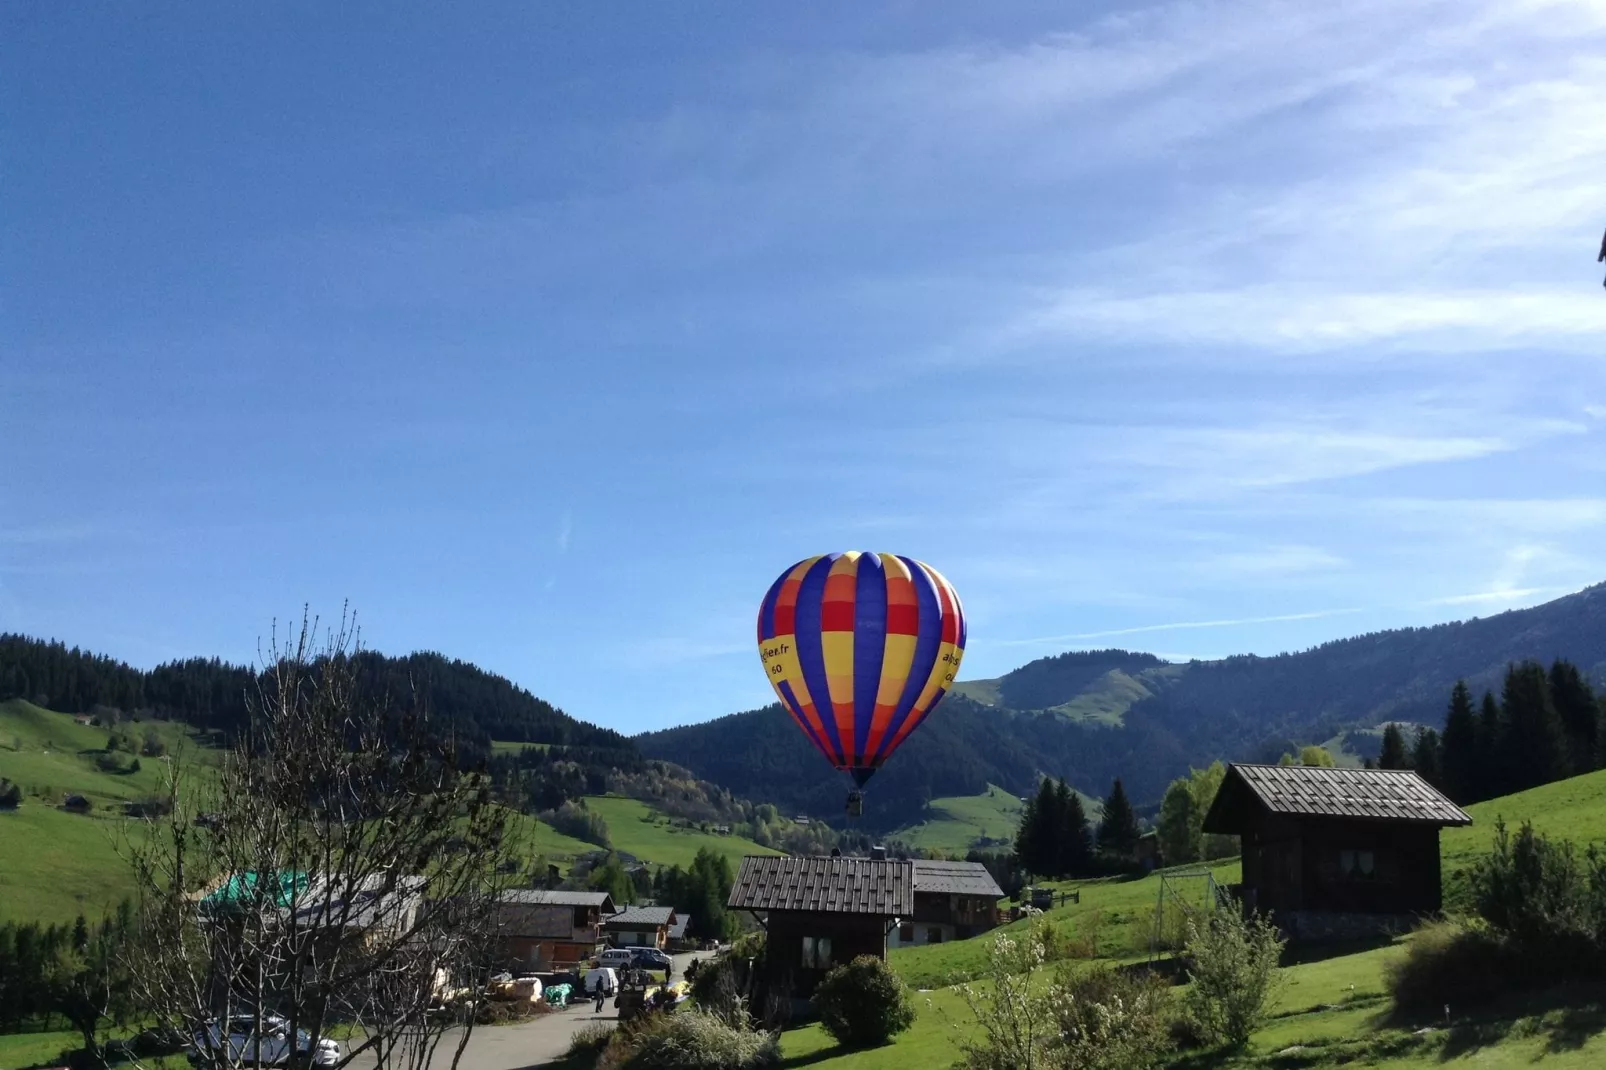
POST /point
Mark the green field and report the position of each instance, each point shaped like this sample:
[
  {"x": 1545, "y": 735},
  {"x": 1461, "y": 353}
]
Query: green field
[
  {"x": 501, "y": 746},
  {"x": 958, "y": 822},
  {"x": 636, "y": 828},
  {"x": 1332, "y": 1011},
  {"x": 54, "y": 864}
]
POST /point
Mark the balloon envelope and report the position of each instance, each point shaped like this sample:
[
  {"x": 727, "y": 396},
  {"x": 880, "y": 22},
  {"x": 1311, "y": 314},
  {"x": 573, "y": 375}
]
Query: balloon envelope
[{"x": 860, "y": 648}]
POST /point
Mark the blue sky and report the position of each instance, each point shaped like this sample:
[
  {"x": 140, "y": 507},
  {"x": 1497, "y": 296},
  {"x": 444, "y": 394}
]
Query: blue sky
[{"x": 547, "y": 335}]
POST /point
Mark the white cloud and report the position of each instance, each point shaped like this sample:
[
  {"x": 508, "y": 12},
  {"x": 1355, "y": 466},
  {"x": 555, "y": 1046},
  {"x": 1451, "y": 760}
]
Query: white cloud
[{"x": 1174, "y": 626}]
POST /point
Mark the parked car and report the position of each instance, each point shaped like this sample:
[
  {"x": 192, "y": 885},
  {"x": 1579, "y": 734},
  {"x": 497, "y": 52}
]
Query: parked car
[
  {"x": 650, "y": 958},
  {"x": 271, "y": 1048},
  {"x": 618, "y": 958}
]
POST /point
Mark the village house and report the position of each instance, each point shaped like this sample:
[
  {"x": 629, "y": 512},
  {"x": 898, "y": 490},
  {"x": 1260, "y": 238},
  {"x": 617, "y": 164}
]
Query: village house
[
  {"x": 542, "y": 930},
  {"x": 819, "y": 912},
  {"x": 641, "y": 927},
  {"x": 1335, "y": 853},
  {"x": 952, "y": 901}
]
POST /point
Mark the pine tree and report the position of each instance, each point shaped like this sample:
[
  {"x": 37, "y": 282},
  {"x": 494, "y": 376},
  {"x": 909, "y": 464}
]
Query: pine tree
[
  {"x": 1535, "y": 745},
  {"x": 1493, "y": 774},
  {"x": 1033, "y": 841},
  {"x": 1076, "y": 838},
  {"x": 1458, "y": 747},
  {"x": 1118, "y": 831},
  {"x": 1579, "y": 713},
  {"x": 1427, "y": 757},
  {"x": 1393, "y": 754}
]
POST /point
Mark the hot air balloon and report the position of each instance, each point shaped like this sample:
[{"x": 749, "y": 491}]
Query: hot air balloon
[{"x": 860, "y": 648}]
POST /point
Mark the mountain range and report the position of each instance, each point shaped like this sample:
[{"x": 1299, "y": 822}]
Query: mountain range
[
  {"x": 1095, "y": 715},
  {"x": 1087, "y": 716}
]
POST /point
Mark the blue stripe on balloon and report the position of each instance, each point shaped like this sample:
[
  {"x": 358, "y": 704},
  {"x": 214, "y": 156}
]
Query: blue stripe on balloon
[
  {"x": 796, "y": 707},
  {"x": 869, "y": 649},
  {"x": 766, "y": 608},
  {"x": 928, "y": 642},
  {"x": 811, "y": 654}
]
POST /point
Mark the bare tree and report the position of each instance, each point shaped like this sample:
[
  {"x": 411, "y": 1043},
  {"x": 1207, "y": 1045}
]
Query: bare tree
[{"x": 337, "y": 874}]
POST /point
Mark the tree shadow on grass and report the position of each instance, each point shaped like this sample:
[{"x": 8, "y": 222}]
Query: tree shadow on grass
[
  {"x": 811, "y": 1058},
  {"x": 1566, "y": 1017}
]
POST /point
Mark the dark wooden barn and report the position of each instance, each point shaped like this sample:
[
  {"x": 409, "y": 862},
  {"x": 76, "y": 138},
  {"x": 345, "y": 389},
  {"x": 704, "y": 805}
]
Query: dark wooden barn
[
  {"x": 820, "y": 912},
  {"x": 1335, "y": 853}
]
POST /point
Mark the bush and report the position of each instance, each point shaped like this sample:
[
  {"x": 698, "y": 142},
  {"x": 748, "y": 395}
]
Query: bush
[
  {"x": 863, "y": 1004},
  {"x": 1232, "y": 964},
  {"x": 1111, "y": 1019},
  {"x": 590, "y": 1039},
  {"x": 1535, "y": 891},
  {"x": 1449, "y": 963},
  {"x": 689, "y": 1040},
  {"x": 575, "y": 820}
]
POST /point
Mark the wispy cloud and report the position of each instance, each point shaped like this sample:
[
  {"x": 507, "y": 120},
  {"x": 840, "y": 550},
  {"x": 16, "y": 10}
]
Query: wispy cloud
[
  {"x": 1175, "y": 626},
  {"x": 565, "y": 531}
]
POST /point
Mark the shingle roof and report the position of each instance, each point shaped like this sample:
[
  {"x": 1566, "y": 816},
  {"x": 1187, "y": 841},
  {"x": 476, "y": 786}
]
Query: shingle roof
[
  {"x": 536, "y": 897},
  {"x": 641, "y": 916},
  {"x": 955, "y": 878},
  {"x": 829, "y": 885},
  {"x": 1381, "y": 794},
  {"x": 678, "y": 929}
]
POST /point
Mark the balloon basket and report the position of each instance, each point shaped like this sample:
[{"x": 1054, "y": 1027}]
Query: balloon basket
[{"x": 855, "y": 806}]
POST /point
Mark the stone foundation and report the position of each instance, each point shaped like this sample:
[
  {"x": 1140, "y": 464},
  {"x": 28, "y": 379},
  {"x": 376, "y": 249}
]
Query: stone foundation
[{"x": 1333, "y": 926}]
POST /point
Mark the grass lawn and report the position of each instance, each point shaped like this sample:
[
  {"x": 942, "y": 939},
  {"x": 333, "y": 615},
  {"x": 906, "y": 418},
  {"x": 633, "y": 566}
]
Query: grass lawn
[
  {"x": 1115, "y": 916},
  {"x": 54, "y": 864},
  {"x": 35, "y": 1049},
  {"x": 635, "y": 827}
]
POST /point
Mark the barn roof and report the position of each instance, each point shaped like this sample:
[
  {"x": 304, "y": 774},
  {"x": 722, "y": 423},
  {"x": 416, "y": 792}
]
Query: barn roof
[
  {"x": 955, "y": 878},
  {"x": 641, "y": 917},
  {"x": 536, "y": 897},
  {"x": 1306, "y": 791},
  {"x": 882, "y": 887}
]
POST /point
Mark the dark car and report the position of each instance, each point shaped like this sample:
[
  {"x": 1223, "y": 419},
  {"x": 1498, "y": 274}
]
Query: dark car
[{"x": 646, "y": 958}]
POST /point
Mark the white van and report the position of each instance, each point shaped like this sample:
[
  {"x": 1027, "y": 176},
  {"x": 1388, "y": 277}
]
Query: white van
[{"x": 603, "y": 977}]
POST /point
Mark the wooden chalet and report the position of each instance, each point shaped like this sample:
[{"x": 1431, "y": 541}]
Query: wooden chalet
[
  {"x": 952, "y": 901},
  {"x": 820, "y": 912},
  {"x": 641, "y": 927},
  {"x": 542, "y": 930},
  {"x": 1335, "y": 853}
]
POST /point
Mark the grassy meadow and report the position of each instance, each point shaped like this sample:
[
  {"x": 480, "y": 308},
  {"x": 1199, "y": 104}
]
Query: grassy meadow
[
  {"x": 636, "y": 828},
  {"x": 1333, "y": 1008},
  {"x": 54, "y": 864},
  {"x": 958, "y": 822}
]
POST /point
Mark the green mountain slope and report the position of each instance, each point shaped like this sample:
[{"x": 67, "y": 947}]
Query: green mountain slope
[{"x": 1094, "y": 715}]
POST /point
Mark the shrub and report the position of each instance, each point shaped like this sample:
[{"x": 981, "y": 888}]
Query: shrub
[
  {"x": 689, "y": 1040},
  {"x": 575, "y": 820},
  {"x": 590, "y": 1039},
  {"x": 1015, "y": 1025},
  {"x": 1449, "y": 963},
  {"x": 1232, "y": 964},
  {"x": 1535, "y": 891},
  {"x": 1111, "y": 1019},
  {"x": 863, "y": 1004}
]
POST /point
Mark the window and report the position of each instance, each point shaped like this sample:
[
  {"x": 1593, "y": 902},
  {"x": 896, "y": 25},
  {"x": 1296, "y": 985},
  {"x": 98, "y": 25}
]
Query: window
[
  {"x": 1354, "y": 865},
  {"x": 906, "y": 933},
  {"x": 934, "y": 935},
  {"x": 816, "y": 952}
]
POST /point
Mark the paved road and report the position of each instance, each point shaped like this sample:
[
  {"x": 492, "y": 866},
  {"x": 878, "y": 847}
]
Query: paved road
[{"x": 536, "y": 1042}]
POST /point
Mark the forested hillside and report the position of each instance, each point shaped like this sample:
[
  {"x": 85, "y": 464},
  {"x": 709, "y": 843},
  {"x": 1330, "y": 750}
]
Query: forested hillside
[
  {"x": 212, "y": 694},
  {"x": 1093, "y": 716}
]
